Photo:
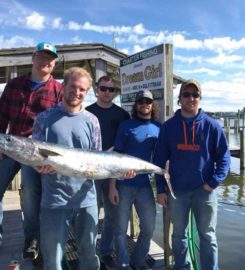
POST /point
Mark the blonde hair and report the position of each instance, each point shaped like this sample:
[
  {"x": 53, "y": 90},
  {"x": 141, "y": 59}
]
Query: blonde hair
[{"x": 77, "y": 71}]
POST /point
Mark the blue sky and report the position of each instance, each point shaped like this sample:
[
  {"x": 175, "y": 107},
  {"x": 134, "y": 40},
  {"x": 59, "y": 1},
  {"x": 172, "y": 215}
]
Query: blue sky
[{"x": 208, "y": 37}]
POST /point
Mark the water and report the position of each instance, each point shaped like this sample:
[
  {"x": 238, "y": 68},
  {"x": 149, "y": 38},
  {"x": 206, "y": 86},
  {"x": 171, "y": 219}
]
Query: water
[{"x": 231, "y": 217}]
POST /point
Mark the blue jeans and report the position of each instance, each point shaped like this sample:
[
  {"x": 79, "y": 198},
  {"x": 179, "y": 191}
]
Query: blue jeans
[
  {"x": 32, "y": 192},
  {"x": 143, "y": 200},
  {"x": 108, "y": 230},
  {"x": 54, "y": 229},
  {"x": 204, "y": 207},
  {"x": 8, "y": 169}
]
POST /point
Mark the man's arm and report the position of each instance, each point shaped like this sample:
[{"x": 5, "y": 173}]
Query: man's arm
[{"x": 222, "y": 159}]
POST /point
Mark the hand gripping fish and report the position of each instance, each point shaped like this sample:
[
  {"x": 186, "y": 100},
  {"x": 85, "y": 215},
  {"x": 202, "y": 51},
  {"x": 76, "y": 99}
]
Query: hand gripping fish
[{"x": 75, "y": 162}]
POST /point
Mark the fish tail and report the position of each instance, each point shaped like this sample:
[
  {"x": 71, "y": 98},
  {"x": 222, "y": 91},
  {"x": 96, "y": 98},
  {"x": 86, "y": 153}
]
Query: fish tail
[{"x": 167, "y": 178}]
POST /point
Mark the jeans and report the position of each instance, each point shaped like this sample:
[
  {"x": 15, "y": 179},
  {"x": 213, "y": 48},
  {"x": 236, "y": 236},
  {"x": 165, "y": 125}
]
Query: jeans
[
  {"x": 143, "y": 200},
  {"x": 32, "y": 192},
  {"x": 108, "y": 230},
  {"x": 54, "y": 229},
  {"x": 204, "y": 207},
  {"x": 8, "y": 169}
]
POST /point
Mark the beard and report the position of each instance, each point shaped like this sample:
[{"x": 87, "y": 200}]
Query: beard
[{"x": 144, "y": 114}]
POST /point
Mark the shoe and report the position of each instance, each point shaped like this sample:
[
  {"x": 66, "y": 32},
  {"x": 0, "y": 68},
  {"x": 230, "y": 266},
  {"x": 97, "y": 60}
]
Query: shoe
[
  {"x": 38, "y": 262},
  {"x": 1, "y": 239},
  {"x": 125, "y": 267},
  {"x": 109, "y": 262},
  {"x": 141, "y": 267},
  {"x": 30, "y": 250},
  {"x": 1, "y": 235}
]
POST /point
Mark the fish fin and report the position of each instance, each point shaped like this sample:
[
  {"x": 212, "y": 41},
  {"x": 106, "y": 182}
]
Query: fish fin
[
  {"x": 167, "y": 177},
  {"x": 110, "y": 149},
  {"x": 46, "y": 153}
]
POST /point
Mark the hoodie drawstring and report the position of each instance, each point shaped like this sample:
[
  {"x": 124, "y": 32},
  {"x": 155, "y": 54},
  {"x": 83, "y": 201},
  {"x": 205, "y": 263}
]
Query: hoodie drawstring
[{"x": 186, "y": 146}]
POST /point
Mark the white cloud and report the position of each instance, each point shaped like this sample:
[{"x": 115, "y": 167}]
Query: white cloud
[
  {"x": 208, "y": 71},
  {"x": 180, "y": 41},
  {"x": 189, "y": 59},
  {"x": 74, "y": 26},
  {"x": 35, "y": 21},
  {"x": 15, "y": 42},
  {"x": 57, "y": 23},
  {"x": 138, "y": 48},
  {"x": 108, "y": 29},
  {"x": 223, "y": 58},
  {"x": 139, "y": 29},
  {"x": 224, "y": 44}
]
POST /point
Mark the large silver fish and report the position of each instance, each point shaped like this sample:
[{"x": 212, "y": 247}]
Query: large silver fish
[{"x": 76, "y": 162}]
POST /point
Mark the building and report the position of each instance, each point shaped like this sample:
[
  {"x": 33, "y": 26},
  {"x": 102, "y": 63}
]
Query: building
[{"x": 97, "y": 58}]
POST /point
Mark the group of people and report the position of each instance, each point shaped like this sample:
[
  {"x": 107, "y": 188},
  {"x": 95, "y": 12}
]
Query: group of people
[{"x": 194, "y": 145}]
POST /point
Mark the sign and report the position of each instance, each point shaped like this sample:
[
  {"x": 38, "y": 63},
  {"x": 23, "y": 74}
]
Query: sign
[{"x": 144, "y": 70}]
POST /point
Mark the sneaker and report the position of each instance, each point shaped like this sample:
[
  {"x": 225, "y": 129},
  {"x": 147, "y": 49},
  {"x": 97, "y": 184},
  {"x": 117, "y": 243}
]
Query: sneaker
[
  {"x": 109, "y": 262},
  {"x": 30, "y": 250},
  {"x": 125, "y": 266}
]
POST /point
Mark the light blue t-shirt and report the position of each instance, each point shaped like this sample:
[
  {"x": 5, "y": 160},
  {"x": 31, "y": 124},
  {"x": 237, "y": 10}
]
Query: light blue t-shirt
[{"x": 78, "y": 130}]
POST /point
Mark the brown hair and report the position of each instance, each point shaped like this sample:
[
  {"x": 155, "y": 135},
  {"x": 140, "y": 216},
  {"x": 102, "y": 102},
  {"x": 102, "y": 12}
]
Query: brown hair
[{"x": 105, "y": 78}]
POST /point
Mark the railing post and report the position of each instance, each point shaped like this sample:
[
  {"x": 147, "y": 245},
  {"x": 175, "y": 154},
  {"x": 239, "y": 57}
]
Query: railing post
[
  {"x": 134, "y": 223},
  {"x": 167, "y": 239},
  {"x": 242, "y": 149}
]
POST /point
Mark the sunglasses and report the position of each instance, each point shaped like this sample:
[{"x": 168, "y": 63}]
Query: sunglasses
[
  {"x": 105, "y": 88},
  {"x": 43, "y": 58},
  {"x": 189, "y": 94},
  {"x": 144, "y": 101}
]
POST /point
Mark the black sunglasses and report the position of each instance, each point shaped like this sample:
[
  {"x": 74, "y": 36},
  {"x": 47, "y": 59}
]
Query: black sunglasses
[
  {"x": 190, "y": 94},
  {"x": 144, "y": 101},
  {"x": 105, "y": 88}
]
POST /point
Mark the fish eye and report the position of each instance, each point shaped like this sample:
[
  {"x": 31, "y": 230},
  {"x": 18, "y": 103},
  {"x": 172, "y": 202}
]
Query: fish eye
[{"x": 8, "y": 138}]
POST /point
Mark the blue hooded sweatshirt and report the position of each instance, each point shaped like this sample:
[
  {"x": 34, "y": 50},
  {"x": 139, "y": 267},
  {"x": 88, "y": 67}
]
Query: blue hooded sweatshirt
[{"x": 197, "y": 151}]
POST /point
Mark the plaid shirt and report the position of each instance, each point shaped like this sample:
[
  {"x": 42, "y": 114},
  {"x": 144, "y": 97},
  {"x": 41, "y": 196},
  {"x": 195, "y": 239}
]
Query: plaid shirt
[{"x": 19, "y": 104}]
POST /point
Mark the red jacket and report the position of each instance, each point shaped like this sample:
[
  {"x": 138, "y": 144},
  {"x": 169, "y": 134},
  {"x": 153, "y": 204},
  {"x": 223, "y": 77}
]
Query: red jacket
[{"x": 19, "y": 104}]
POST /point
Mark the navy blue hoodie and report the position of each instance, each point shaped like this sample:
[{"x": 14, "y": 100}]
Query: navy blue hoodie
[{"x": 197, "y": 151}]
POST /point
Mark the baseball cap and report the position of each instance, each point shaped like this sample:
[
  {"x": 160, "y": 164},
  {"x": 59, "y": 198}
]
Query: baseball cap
[
  {"x": 189, "y": 82},
  {"x": 143, "y": 94},
  {"x": 46, "y": 47}
]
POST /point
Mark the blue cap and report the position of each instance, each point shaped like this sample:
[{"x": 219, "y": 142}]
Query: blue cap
[{"x": 46, "y": 47}]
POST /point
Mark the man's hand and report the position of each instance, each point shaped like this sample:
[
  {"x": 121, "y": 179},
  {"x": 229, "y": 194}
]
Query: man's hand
[
  {"x": 207, "y": 187},
  {"x": 113, "y": 193},
  {"x": 45, "y": 169},
  {"x": 129, "y": 175},
  {"x": 162, "y": 199},
  {"x": 1, "y": 155}
]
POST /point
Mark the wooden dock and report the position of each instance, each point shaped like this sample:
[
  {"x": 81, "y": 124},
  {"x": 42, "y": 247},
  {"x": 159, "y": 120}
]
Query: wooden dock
[{"x": 14, "y": 238}]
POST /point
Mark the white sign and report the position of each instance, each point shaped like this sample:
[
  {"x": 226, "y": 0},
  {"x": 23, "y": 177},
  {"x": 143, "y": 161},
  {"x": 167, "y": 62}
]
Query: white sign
[{"x": 144, "y": 70}]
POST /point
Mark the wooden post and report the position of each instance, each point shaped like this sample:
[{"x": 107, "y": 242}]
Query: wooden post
[
  {"x": 227, "y": 133},
  {"x": 134, "y": 223},
  {"x": 238, "y": 118},
  {"x": 167, "y": 239},
  {"x": 236, "y": 130},
  {"x": 243, "y": 119},
  {"x": 242, "y": 149},
  {"x": 15, "y": 184},
  {"x": 225, "y": 122}
]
